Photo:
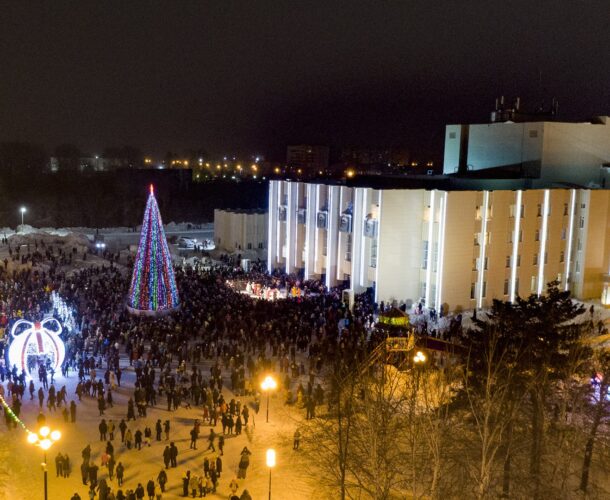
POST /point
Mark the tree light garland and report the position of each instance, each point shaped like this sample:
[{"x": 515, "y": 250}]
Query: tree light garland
[
  {"x": 9, "y": 411},
  {"x": 153, "y": 285}
]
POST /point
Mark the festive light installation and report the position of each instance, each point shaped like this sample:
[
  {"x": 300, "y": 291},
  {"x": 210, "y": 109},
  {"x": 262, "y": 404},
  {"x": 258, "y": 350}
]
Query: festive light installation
[
  {"x": 14, "y": 418},
  {"x": 35, "y": 343},
  {"x": 153, "y": 285},
  {"x": 64, "y": 311}
]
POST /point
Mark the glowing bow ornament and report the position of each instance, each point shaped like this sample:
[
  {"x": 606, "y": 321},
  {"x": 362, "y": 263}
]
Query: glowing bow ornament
[{"x": 34, "y": 343}]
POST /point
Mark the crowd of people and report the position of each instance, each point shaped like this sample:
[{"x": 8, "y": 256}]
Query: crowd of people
[{"x": 207, "y": 357}]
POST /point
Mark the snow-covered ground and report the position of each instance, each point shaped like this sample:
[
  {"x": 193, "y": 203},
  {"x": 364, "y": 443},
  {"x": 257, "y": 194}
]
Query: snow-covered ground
[{"x": 21, "y": 476}]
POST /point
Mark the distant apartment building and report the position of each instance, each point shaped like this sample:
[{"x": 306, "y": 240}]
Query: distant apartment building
[
  {"x": 239, "y": 230},
  {"x": 309, "y": 158},
  {"x": 450, "y": 249},
  {"x": 86, "y": 163},
  {"x": 357, "y": 155},
  {"x": 546, "y": 152}
]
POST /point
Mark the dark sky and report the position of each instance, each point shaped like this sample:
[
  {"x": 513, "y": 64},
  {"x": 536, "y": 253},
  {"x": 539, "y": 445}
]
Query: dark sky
[{"x": 255, "y": 75}]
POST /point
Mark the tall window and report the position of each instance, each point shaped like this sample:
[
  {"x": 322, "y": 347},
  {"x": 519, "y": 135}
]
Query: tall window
[
  {"x": 348, "y": 248},
  {"x": 374, "y": 253},
  {"x": 424, "y": 261}
]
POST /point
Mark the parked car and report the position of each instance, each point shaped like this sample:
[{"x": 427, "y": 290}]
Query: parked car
[{"x": 188, "y": 243}]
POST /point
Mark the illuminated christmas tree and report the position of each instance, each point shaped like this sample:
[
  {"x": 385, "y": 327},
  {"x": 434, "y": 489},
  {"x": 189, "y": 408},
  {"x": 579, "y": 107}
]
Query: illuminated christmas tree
[{"x": 153, "y": 285}]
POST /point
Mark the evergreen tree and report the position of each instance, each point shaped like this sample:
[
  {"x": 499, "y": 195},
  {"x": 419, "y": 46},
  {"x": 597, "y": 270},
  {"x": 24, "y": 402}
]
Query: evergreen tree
[{"x": 153, "y": 285}]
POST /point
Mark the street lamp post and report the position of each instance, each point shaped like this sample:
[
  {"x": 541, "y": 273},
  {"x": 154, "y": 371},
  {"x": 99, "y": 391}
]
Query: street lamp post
[
  {"x": 267, "y": 385},
  {"x": 44, "y": 439},
  {"x": 419, "y": 358},
  {"x": 271, "y": 465},
  {"x": 23, "y": 210}
]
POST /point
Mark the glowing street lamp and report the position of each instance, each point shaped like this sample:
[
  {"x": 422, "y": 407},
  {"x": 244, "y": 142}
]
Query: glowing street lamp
[
  {"x": 44, "y": 439},
  {"x": 268, "y": 385},
  {"x": 271, "y": 465},
  {"x": 419, "y": 358},
  {"x": 23, "y": 210}
]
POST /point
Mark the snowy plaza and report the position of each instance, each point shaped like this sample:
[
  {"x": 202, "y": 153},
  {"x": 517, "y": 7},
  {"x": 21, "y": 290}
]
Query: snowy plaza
[{"x": 36, "y": 352}]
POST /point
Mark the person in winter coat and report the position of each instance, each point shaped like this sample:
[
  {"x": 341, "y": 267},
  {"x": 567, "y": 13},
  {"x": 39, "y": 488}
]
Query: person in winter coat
[
  {"x": 93, "y": 474},
  {"x": 122, "y": 428},
  {"x": 128, "y": 439},
  {"x": 67, "y": 465},
  {"x": 103, "y": 428},
  {"x": 111, "y": 466},
  {"x": 139, "y": 492},
  {"x": 233, "y": 486},
  {"x": 244, "y": 462},
  {"x": 150, "y": 489},
  {"x": 218, "y": 465},
  {"x": 162, "y": 479},
  {"x": 138, "y": 439},
  {"x": 193, "y": 484},
  {"x": 84, "y": 471},
  {"x": 201, "y": 486},
  {"x": 173, "y": 454},
  {"x": 120, "y": 470},
  {"x": 297, "y": 440},
  {"x": 131, "y": 412},
  {"x": 72, "y": 412},
  {"x": 185, "y": 483},
  {"x": 167, "y": 456},
  {"x": 245, "y": 496}
]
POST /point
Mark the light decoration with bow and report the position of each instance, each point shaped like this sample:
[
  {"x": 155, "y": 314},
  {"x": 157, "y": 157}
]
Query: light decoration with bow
[{"x": 36, "y": 343}]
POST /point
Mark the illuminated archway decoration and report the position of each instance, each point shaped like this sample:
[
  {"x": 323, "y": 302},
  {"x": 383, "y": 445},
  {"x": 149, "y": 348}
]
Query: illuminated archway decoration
[{"x": 35, "y": 343}]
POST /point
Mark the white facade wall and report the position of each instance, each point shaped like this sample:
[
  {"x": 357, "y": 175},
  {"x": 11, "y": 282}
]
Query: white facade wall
[
  {"x": 455, "y": 249},
  {"x": 236, "y": 230}
]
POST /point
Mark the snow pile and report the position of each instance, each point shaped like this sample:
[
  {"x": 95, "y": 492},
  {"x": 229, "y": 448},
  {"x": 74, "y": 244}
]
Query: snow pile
[{"x": 49, "y": 237}]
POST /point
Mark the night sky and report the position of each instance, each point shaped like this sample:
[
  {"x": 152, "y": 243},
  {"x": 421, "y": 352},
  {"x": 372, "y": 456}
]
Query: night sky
[{"x": 253, "y": 76}]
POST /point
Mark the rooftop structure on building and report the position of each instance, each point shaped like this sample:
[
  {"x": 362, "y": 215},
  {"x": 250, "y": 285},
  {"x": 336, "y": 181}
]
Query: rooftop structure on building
[{"x": 534, "y": 150}]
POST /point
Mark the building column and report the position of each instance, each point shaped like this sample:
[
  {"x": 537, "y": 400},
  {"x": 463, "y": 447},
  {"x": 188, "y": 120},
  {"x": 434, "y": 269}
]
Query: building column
[
  {"x": 356, "y": 278},
  {"x": 272, "y": 225},
  {"x": 332, "y": 234},
  {"x": 291, "y": 226},
  {"x": 310, "y": 228}
]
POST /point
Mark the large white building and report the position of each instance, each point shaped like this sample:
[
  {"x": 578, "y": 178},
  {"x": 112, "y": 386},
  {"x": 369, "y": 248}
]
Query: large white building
[{"x": 456, "y": 249}]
